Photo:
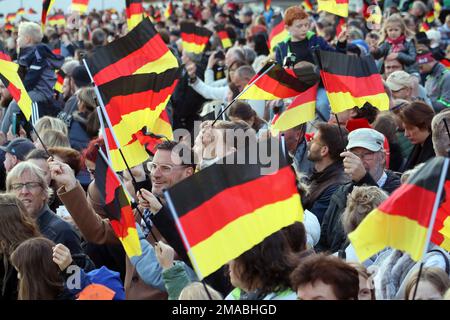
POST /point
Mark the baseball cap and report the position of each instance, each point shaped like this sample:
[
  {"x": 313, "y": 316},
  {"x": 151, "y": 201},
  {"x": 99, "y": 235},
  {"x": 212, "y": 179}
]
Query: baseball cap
[
  {"x": 19, "y": 147},
  {"x": 369, "y": 139},
  {"x": 398, "y": 80},
  {"x": 80, "y": 76}
]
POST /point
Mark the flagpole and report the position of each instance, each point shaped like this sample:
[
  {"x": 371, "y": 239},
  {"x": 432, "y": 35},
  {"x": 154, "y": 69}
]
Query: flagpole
[
  {"x": 433, "y": 217},
  {"x": 184, "y": 238},
  {"x": 133, "y": 202},
  {"x": 108, "y": 121},
  {"x": 181, "y": 231},
  {"x": 103, "y": 130},
  {"x": 243, "y": 91}
]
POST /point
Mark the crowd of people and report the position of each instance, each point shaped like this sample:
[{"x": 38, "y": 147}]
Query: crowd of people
[{"x": 56, "y": 241}]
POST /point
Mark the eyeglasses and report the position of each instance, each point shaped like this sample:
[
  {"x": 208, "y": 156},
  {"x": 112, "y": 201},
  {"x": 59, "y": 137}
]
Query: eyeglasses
[
  {"x": 29, "y": 186},
  {"x": 164, "y": 168}
]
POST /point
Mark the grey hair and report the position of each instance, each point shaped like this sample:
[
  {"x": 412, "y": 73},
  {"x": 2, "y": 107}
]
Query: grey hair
[
  {"x": 27, "y": 166},
  {"x": 196, "y": 58},
  {"x": 31, "y": 29},
  {"x": 439, "y": 134}
]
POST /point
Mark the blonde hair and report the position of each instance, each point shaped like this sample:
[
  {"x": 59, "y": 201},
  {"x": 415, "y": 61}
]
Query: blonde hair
[
  {"x": 395, "y": 19},
  {"x": 27, "y": 166},
  {"x": 55, "y": 138},
  {"x": 436, "y": 276},
  {"x": 31, "y": 29},
  {"x": 360, "y": 202},
  {"x": 47, "y": 122},
  {"x": 196, "y": 291}
]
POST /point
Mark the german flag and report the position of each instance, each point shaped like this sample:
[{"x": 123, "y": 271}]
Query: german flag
[
  {"x": 80, "y": 5},
  {"x": 60, "y": 75},
  {"x": 278, "y": 32},
  {"x": 46, "y": 7},
  {"x": 402, "y": 221},
  {"x": 216, "y": 232},
  {"x": 194, "y": 38},
  {"x": 136, "y": 76},
  {"x": 9, "y": 27},
  {"x": 224, "y": 36},
  {"x": 307, "y": 5},
  {"x": 162, "y": 130},
  {"x": 136, "y": 101},
  {"x": 445, "y": 62},
  {"x": 10, "y": 17},
  {"x": 135, "y": 13},
  {"x": 267, "y": 4},
  {"x": 337, "y": 7},
  {"x": 341, "y": 25},
  {"x": 169, "y": 10},
  {"x": 21, "y": 11},
  {"x": 302, "y": 109},
  {"x": 12, "y": 81},
  {"x": 4, "y": 54},
  {"x": 351, "y": 81},
  {"x": 31, "y": 11},
  {"x": 57, "y": 20},
  {"x": 117, "y": 207},
  {"x": 278, "y": 83},
  {"x": 141, "y": 50}
]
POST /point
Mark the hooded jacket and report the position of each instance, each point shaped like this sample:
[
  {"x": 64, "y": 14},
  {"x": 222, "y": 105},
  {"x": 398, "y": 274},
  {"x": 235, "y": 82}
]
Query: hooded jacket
[{"x": 37, "y": 65}]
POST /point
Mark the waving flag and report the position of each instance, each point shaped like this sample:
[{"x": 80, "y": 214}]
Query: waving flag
[
  {"x": 194, "y": 38},
  {"x": 57, "y": 20},
  {"x": 12, "y": 81},
  {"x": 46, "y": 7},
  {"x": 277, "y": 83},
  {"x": 337, "y": 7},
  {"x": 117, "y": 206},
  {"x": 224, "y": 36},
  {"x": 278, "y": 33},
  {"x": 80, "y": 5},
  {"x": 136, "y": 76},
  {"x": 302, "y": 109},
  {"x": 169, "y": 10},
  {"x": 135, "y": 13},
  {"x": 21, "y": 11},
  {"x": 216, "y": 232},
  {"x": 402, "y": 220},
  {"x": 351, "y": 81},
  {"x": 10, "y": 17},
  {"x": 267, "y": 4}
]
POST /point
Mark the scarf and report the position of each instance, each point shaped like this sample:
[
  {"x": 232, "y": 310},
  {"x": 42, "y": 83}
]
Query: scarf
[{"x": 397, "y": 45}]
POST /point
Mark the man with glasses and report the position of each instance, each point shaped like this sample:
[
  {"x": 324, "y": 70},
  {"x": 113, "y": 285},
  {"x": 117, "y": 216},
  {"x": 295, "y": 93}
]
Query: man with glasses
[
  {"x": 364, "y": 161},
  {"x": 328, "y": 174},
  {"x": 27, "y": 182}
]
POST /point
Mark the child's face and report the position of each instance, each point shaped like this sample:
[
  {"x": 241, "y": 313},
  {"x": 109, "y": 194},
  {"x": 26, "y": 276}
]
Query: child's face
[
  {"x": 393, "y": 31},
  {"x": 371, "y": 41}
]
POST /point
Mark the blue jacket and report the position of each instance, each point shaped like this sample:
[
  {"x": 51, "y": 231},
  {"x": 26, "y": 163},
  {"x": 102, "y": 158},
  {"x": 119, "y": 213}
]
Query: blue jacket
[
  {"x": 314, "y": 41},
  {"x": 37, "y": 67}
]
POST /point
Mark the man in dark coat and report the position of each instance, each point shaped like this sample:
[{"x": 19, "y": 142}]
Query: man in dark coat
[{"x": 364, "y": 162}]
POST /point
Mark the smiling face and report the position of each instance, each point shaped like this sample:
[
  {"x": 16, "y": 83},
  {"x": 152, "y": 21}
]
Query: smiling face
[{"x": 166, "y": 169}]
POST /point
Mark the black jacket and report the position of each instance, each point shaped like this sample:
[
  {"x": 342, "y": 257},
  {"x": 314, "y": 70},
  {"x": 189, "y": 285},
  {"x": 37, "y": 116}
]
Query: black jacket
[
  {"x": 420, "y": 154},
  {"x": 333, "y": 237},
  {"x": 59, "y": 231}
]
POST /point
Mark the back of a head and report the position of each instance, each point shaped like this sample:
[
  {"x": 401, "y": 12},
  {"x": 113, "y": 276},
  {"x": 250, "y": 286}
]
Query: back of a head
[
  {"x": 69, "y": 156},
  {"x": 99, "y": 37},
  {"x": 385, "y": 123},
  {"x": 440, "y": 136},
  {"x": 47, "y": 122},
  {"x": 32, "y": 30},
  {"x": 55, "y": 138},
  {"x": 196, "y": 291},
  {"x": 307, "y": 72},
  {"x": 245, "y": 72},
  {"x": 360, "y": 202},
  {"x": 242, "y": 110},
  {"x": 35, "y": 257},
  {"x": 16, "y": 225}
]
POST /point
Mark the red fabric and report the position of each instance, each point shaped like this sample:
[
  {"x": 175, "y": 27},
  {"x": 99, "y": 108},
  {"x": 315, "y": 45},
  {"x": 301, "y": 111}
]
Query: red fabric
[{"x": 397, "y": 44}]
